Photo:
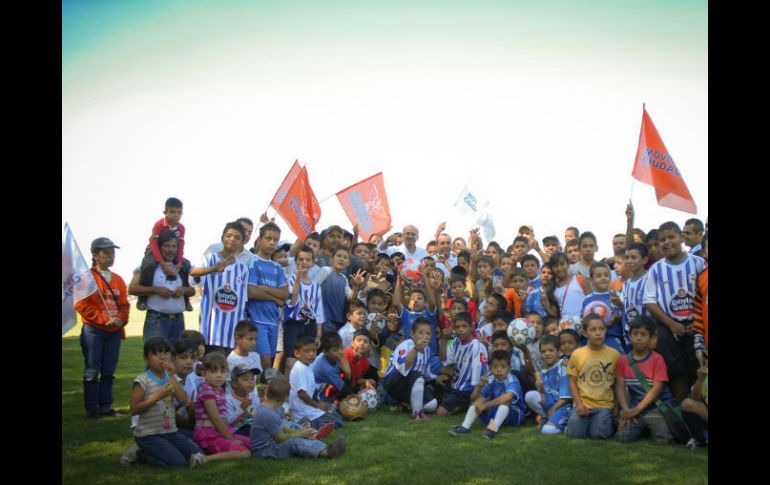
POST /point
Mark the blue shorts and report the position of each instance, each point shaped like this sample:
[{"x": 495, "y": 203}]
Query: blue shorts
[
  {"x": 267, "y": 339},
  {"x": 561, "y": 416},
  {"x": 515, "y": 416}
]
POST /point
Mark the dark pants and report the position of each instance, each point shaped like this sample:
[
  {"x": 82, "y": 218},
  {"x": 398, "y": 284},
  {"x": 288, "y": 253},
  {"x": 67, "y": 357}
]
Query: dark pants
[
  {"x": 167, "y": 450},
  {"x": 101, "y": 351}
]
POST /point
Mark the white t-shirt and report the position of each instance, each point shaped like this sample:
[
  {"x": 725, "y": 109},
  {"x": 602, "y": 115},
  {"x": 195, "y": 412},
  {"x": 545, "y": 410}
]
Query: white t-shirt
[
  {"x": 251, "y": 361},
  {"x": 417, "y": 255},
  {"x": 302, "y": 379}
]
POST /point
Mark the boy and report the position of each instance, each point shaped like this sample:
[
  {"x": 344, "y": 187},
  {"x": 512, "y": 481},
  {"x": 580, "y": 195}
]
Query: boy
[
  {"x": 632, "y": 297},
  {"x": 516, "y": 294},
  {"x": 270, "y": 440},
  {"x": 552, "y": 399},
  {"x": 336, "y": 290},
  {"x": 592, "y": 373},
  {"x": 534, "y": 347},
  {"x": 153, "y": 257},
  {"x": 497, "y": 401},
  {"x": 268, "y": 292},
  {"x": 668, "y": 296},
  {"x": 327, "y": 367},
  {"x": 376, "y": 304},
  {"x": 551, "y": 326},
  {"x": 469, "y": 356},
  {"x": 302, "y": 406},
  {"x": 588, "y": 247},
  {"x": 422, "y": 303},
  {"x": 531, "y": 267},
  {"x": 389, "y": 339},
  {"x": 550, "y": 245},
  {"x": 184, "y": 355},
  {"x": 362, "y": 374},
  {"x": 242, "y": 400},
  {"x": 570, "y": 234},
  {"x": 244, "y": 355},
  {"x": 568, "y": 342},
  {"x": 356, "y": 318},
  {"x": 520, "y": 248},
  {"x": 642, "y": 413},
  {"x": 457, "y": 288},
  {"x": 573, "y": 251},
  {"x": 305, "y": 309}
]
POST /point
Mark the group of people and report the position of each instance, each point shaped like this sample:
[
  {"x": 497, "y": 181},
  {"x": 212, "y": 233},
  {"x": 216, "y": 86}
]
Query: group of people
[{"x": 590, "y": 348}]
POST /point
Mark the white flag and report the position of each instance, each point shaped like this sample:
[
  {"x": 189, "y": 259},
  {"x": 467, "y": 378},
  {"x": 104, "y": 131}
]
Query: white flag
[
  {"x": 471, "y": 203},
  {"x": 77, "y": 281}
]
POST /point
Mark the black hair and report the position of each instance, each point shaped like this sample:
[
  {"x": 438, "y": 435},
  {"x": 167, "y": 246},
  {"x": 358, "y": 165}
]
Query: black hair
[
  {"x": 570, "y": 243},
  {"x": 397, "y": 254},
  {"x": 246, "y": 220},
  {"x": 590, "y": 318},
  {"x": 529, "y": 257},
  {"x": 464, "y": 254},
  {"x": 381, "y": 256},
  {"x": 572, "y": 332},
  {"x": 695, "y": 222},
  {"x": 495, "y": 245},
  {"x": 547, "y": 320},
  {"x": 587, "y": 235},
  {"x": 465, "y": 317},
  {"x": 431, "y": 243},
  {"x": 156, "y": 345},
  {"x": 653, "y": 235},
  {"x": 184, "y": 345},
  {"x": 329, "y": 340},
  {"x": 314, "y": 236},
  {"x": 643, "y": 251},
  {"x": 502, "y": 302},
  {"x": 550, "y": 239},
  {"x": 304, "y": 340},
  {"x": 365, "y": 244},
  {"x": 618, "y": 235},
  {"x": 521, "y": 239},
  {"x": 193, "y": 335},
  {"x": 174, "y": 202},
  {"x": 597, "y": 265},
  {"x": 362, "y": 331},
  {"x": 270, "y": 226},
  {"x": 167, "y": 236},
  {"x": 488, "y": 260},
  {"x": 376, "y": 292},
  {"x": 277, "y": 250},
  {"x": 244, "y": 327},
  {"x": 549, "y": 340},
  {"x": 575, "y": 230},
  {"x": 705, "y": 238},
  {"x": 236, "y": 226},
  {"x": 213, "y": 361},
  {"x": 422, "y": 292},
  {"x": 670, "y": 226},
  {"x": 501, "y": 315},
  {"x": 500, "y": 355},
  {"x": 458, "y": 272},
  {"x": 519, "y": 272},
  {"x": 421, "y": 321},
  {"x": 306, "y": 249},
  {"x": 501, "y": 334},
  {"x": 641, "y": 233},
  {"x": 461, "y": 302},
  {"x": 643, "y": 321},
  {"x": 341, "y": 248},
  {"x": 355, "y": 305}
]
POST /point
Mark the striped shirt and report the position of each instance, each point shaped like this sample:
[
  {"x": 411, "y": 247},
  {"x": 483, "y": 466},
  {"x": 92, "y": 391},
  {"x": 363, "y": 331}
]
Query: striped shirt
[
  {"x": 224, "y": 301},
  {"x": 672, "y": 286},
  {"x": 150, "y": 422},
  {"x": 633, "y": 299},
  {"x": 310, "y": 304},
  {"x": 471, "y": 360},
  {"x": 206, "y": 393},
  {"x": 398, "y": 361}
]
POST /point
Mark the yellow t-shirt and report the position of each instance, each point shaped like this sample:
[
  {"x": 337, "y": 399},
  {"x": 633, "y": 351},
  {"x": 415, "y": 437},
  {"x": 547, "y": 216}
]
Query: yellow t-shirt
[{"x": 595, "y": 373}]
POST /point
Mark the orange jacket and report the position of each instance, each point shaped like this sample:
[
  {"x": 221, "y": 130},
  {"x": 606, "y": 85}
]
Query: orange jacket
[
  {"x": 93, "y": 311},
  {"x": 514, "y": 303}
]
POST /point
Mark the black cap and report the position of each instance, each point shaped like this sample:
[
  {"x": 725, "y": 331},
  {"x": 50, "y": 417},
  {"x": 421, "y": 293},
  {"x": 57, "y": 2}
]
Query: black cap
[
  {"x": 102, "y": 243},
  {"x": 239, "y": 370}
]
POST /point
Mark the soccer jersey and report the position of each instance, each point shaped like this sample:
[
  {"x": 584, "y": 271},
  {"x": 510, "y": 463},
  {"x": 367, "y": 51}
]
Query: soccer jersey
[
  {"x": 535, "y": 302},
  {"x": 335, "y": 290},
  {"x": 495, "y": 389},
  {"x": 310, "y": 304},
  {"x": 595, "y": 373},
  {"x": 471, "y": 360},
  {"x": 701, "y": 306},
  {"x": 398, "y": 361},
  {"x": 556, "y": 384},
  {"x": 264, "y": 272},
  {"x": 653, "y": 368},
  {"x": 633, "y": 300},
  {"x": 672, "y": 286},
  {"x": 408, "y": 317},
  {"x": 223, "y": 303}
]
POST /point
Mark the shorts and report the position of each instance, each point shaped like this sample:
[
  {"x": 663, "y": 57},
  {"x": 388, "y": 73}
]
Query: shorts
[
  {"x": 212, "y": 442},
  {"x": 267, "y": 339},
  {"x": 454, "y": 399},
  {"x": 515, "y": 416},
  {"x": 293, "y": 330},
  {"x": 399, "y": 387},
  {"x": 679, "y": 354}
]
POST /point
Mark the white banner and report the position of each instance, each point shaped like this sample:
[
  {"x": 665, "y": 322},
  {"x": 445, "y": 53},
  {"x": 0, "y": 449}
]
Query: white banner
[
  {"x": 471, "y": 203},
  {"x": 77, "y": 281}
]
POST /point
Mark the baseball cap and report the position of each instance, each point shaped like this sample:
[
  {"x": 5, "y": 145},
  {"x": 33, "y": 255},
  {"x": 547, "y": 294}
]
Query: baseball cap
[
  {"x": 102, "y": 243},
  {"x": 239, "y": 370},
  {"x": 271, "y": 374},
  {"x": 285, "y": 245}
]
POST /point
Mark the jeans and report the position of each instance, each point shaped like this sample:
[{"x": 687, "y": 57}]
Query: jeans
[
  {"x": 101, "y": 351},
  {"x": 167, "y": 450},
  {"x": 653, "y": 421},
  {"x": 334, "y": 418},
  {"x": 291, "y": 447},
  {"x": 158, "y": 324},
  {"x": 598, "y": 425}
]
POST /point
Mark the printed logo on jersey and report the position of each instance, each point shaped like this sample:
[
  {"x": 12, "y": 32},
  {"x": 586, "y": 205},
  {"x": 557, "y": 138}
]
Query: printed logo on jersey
[
  {"x": 631, "y": 314},
  {"x": 305, "y": 314},
  {"x": 601, "y": 309},
  {"x": 681, "y": 304},
  {"x": 226, "y": 299},
  {"x": 482, "y": 359}
]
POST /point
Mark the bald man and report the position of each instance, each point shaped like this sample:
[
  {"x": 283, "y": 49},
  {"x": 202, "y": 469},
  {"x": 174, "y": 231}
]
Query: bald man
[{"x": 409, "y": 247}]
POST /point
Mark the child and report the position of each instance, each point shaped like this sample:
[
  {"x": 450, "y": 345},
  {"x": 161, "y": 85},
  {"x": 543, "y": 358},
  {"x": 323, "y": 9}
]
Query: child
[
  {"x": 408, "y": 371},
  {"x": 269, "y": 439},
  {"x": 242, "y": 400},
  {"x": 244, "y": 355},
  {"x": 303, "y": 384},
  {"x": 696, "y": 406},
  {"x": 457, "y": 288},
  {"x": 448, "y": 317},
  {"x": 516, "y": 294},
  {"x": 551, "y": 326},
  {"x": 587, "y": 246},
  {"x": 389, "y": 339},
  {"x": 422, "y": 304},
  {"x": 534, "y": 346},
  {"x": 538, "y": 300},
  {"x": 211, "y": 433},
  {"x": 521, "y": 363},
  {"x": 469, "y": 357},
  {"x": 569, "y": 340},
  {"x": 151, "y": 401},
  {"x": 327, "y": 367},
  {"x": 335, "y": 290},
  {"x": 552, "y": 400},
  {"x": 531, "y": 266},
  {"x": 701, "y": 306},
  {"x": 152, "y": 255},
  {"x": 356, "y": 317},
  {"x": 669, "y": 295},
  {"x": 184, "y": 354},
  {"x": 632, "y": 296},
  {"x": 568, "y": 290},
  {"x": 592, "y": 373},
  {"x": 362, "y": 374},
  {"x": 193, "y": 380},
  {"x": 495, "y": 304},
  {"x": 484, "y": 285},
  {"x": 376, "y": 304},
  {"x": 496, "y": 400},
  {"x": 607, "y": 305},
  {"x": 304, "y": 308},
  {"x": 573, "y": 251},
  {"x": 642, "y": 413}
]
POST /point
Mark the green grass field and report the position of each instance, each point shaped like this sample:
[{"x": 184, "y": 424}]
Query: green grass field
[{"x": 384, "y": 448}]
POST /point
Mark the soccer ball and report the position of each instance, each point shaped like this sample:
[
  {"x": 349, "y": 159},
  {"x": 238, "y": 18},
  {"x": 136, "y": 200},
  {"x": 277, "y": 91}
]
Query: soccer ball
[
  {"x": 370, "y": 398},
  {"x": 572, "y": 322},
  {"x": 352, "y": 408},
  {"x": 521, "y": 331},
  {"x": 410, "y": 270}
]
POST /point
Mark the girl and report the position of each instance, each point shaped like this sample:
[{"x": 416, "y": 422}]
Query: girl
[
  {"x": 568, "y": 290},
  {"x": 151, "y": 401},
  {"x": 607, "y": 306},
  {"x": 538, "y": 301},
  {"x": 211, "y": 432}
]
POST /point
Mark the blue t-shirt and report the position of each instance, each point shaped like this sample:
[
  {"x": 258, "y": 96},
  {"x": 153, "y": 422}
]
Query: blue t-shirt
[
  {"x": 534, "y": 302},
  {"x": 556, "y": 384},
  {"x": 407, "y": 319},
  {"x": 263, "y": 272},
  {"x": 334, "y": 297},
  {"x": 326, "y": 373},
  {"x": 601, "y": 304},
  {"x": 495, "y": 389},
  {"x": 264, "y": 425}
]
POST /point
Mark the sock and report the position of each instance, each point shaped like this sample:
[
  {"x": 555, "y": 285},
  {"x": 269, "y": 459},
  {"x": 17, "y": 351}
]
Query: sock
[
  {"x": 550, "y": 429},
  {"x": 534, "y": 401},
  {"x": 430, "y": 406},
  {"x": 500, "y": 415},
  {"x": 418, "y": 390},
  {"x": 470, "y": 417}
]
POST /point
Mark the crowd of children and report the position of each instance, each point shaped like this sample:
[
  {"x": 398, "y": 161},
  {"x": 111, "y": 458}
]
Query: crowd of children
[{"x": 291, "y": 330}]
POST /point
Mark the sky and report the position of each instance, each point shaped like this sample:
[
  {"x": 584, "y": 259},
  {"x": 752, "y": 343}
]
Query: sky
[{"x": 538, "y": 104}]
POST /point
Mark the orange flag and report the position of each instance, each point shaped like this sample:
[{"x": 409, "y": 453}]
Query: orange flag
[
  {"x": 299, "y": 207},
  {"x": 280, "y": 194},
  {"x": 655, "y": 166},
  {"x": 366, "y": 205}
]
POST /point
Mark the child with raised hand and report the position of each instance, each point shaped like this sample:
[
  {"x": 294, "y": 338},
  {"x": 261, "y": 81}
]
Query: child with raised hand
[
  {"x": 422, "y": 304},
  {"x": 516, "y": 294},
  {"x": 243, "y": 399},
  {"x": 211, "y": 432},
  {"x": 641, "y": 413},
  {"x": 552, "y": 401},
  {"x": 408, "y": 371},
  {"x": 495, "y": 304},
  {"x": 156, "y": 434},
  {"x": 538, "y": 300},
  {"x": 469, "y": 357},
  {"x": 592, "y": 374},
  {"x": 497, "y": 400},
  {"x": 608, "y": 305},
  {"x": 270, "y": 438},
  {"x": 376, "y": 305}
]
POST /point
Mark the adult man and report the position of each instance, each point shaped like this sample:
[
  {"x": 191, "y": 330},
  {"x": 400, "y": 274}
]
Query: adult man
[
  {"x": 693, "y": 236},
  {"x": 445, "y": 260},
  {"x": 409, "y": 247}
]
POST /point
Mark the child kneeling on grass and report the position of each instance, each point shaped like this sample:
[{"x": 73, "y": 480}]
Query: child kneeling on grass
[
  {"x": 269, "y": 439},
  {"x": 497, "y": 401}
]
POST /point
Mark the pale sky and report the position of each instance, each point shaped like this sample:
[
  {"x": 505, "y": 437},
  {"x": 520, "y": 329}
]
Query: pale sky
[{"x": 538, "y": 104}]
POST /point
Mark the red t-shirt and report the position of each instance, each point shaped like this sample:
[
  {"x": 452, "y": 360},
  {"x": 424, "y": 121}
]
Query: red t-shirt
[{"x": 358, "y": 365}]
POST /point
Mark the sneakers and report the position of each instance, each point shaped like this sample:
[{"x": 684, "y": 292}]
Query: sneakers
[
  {"x": 112, "y": 412},
  {"x": 197, "y": 459},
  {"x": 489, "y": 434},
  {"x": 323, "y": 431},
  {"x": 337, "y": 449},
  {"x": 459, "y": 429},
  {"x": 131, "y": 455},
  {"x": 420, "y": 416}
]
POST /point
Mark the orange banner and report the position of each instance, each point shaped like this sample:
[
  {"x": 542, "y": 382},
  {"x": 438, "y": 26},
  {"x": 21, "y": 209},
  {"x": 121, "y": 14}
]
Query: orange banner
[
  {"x": 280, "y": 194},
  {"x": 655, "y": 166},
  {"x": 366, "y": 205},
  {"x": 299, "y": 207}
]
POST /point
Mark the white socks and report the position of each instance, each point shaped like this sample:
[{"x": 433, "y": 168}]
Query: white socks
[
  {"x": 535, "y": 402},
  {"x": 470, "y": 417},
  {"x": 550, "y": 429},
  {"x": 430, "y": 406},
  {"x": 500, "y": 415},
  {"x": 418, "y": 389}
]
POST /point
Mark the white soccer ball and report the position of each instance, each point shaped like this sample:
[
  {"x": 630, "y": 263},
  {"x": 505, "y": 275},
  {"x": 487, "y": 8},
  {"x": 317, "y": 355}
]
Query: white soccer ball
[
  {"x": 574, "y": 322},
  {"x": 370, "y": 398},
  {"x": 521, "y": 331}
]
